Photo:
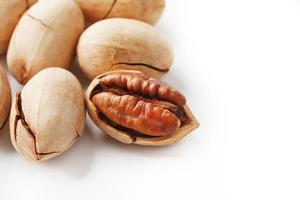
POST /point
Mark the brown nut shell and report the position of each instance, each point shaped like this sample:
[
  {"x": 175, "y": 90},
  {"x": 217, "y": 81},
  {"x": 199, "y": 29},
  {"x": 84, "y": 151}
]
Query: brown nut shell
[
  {"x": 10, "y": 13},
  {"x": 48, "y": 115},
  {"x": 5, "y": 95},
  {"x": 115, "y": 44},
  {"x": 148, "y": 11},
  {"x": 150, "y": 90},
  {"x": 45, "y": 36}
]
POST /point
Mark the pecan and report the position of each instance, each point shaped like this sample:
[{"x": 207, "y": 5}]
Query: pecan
[
  {"x": 134, "y": 108},
  {"x": 143, "y": 85},
  {"x": 48, "y": 115},
  {"x": 123, "y": 44},
  {"x": 137, "y": 114},
  {"x": 139, "y": 106}
]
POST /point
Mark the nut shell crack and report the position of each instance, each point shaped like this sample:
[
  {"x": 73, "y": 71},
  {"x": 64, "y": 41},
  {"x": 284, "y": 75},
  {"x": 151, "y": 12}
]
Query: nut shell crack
[
  {"x": 21, "y": 124},
  {"x": 20, "y": 117},
  {"x": 110, "y": 9},
  {"x": 38, "y": 20},
  {"x": 142, "y": 64}
]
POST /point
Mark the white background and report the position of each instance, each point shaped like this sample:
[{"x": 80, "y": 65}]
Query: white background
[{"x": 237, "y": 62}]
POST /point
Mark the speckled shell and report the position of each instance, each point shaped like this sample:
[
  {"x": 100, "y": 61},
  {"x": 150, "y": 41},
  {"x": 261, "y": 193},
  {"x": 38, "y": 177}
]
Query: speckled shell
[
  {"x": 117, "y": 43},
  {"x": 5, "y": 95},
  {"x": 45, "y": 36},
  {"x": 48, "y": 115},
  {"x": 148, "y": 11},
  {"x": 10, "y": 13},
  {"x": 123, "y": 137}
]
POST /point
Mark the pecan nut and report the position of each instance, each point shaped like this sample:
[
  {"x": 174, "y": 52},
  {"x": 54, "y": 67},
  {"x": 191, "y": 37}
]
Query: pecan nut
[
  {"x": 123, "y": 44},
  {"x": 46, "y": 35},
  {"x": 47, "y": 115},
  {"x": 135, "y": 108}
]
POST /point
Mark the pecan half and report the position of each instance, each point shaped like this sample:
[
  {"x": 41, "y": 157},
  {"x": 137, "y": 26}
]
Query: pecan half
[{"x": 131, "y": 103}]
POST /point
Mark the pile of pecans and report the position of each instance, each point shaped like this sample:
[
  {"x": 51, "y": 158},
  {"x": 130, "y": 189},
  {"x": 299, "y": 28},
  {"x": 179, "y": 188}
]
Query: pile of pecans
[{"x": 119, "y": 51}]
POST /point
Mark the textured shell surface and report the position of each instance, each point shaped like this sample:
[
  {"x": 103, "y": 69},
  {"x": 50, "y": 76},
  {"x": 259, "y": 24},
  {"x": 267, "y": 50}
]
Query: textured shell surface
[
  {"x": 5, "y": 94},
  {"x": 117, "y": 43},
  {"x": 48, "y": 115},
  {"x": 45, "y": 36},
  {"x": 148, "y": 11},
  {"x": 10, "y": 13}
]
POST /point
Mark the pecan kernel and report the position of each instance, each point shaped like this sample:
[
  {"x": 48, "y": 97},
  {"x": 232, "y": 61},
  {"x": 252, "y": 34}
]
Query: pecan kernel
[
  {"x": 132, "y": 113},
  {"x": 138, "y": 103},
  {"x": 143, "y": 85}
]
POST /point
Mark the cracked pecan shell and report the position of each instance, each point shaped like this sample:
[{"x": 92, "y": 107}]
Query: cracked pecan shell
[
  {"x": 137, "y": 109},
  {"x": 125, "y": 44},
  {"x": 148, "y": 11},
  {"x": 45, "y": 36},
  {"x": 47, "y": 115},
  {"x": 5, "y": 97}
]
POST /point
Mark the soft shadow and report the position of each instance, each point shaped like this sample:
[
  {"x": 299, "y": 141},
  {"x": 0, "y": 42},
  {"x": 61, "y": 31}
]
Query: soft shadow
[
  {"x": 109, "y": 144},
  {"x": 3, "y": 60},
  {"x": 168, "y": 31},
  {"x": 5, "y": 142},
  {"x": 77, "y": 161},
  {"x": 76, "y": 70},
  {"x": 104, "y": 143},
  {"x": 175, "y": 79}
]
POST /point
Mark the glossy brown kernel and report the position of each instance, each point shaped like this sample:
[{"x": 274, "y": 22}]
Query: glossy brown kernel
[
  {"x": 134, "y": 108},
  {"x": 137, "y": 114},
  {"x": 138, "y": 102},
  {"x": 143, "y": 85}
]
